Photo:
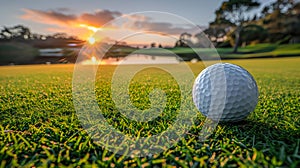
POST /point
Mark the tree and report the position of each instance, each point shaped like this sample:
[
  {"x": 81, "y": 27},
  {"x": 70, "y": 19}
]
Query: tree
[
  {"x": 17, "y": 53},
  {"x": 19, "y": 32},
  {"x": 254, "y": 18},
  {"x": 153, "y": 45},
  {"x": 184, "y": 40},
  {"x": 292, "y": 23},
  {"x": 278, "y": 19},
  {"x": 218, "y": 28},
  {"x": 282, "y": 6},
  {"x": 265, "y": 11},
  {"x": 236, "y": 12},
  {"x": 253, "y": 33},
  {"x": 278, "y": 8}
]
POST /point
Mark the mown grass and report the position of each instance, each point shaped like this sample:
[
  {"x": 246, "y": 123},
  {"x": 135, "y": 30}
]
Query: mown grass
[
  {"x": 266, "y": 50},
  {"x": 262, "y": 51},
  {"x": 39, "y": 126}
]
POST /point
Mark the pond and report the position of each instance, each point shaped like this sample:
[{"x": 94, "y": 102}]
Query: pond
[{"x": 133, "y": 59}]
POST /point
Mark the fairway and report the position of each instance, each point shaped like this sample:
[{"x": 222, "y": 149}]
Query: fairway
[{"x": 39, "y": 125}]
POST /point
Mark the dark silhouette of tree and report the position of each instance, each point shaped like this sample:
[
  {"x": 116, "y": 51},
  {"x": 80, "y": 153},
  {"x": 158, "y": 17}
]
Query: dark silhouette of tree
[
  {"x": 218, "y": 28},
  {"x": 282, "y": 6},
  {"x": 60, "y": 36},
  {"x": 160, "y": 46},
  {"x": 277, "y": 9},
  {"x": 202, "y": 40},
  {"x": 254, "y": 18},
  {"x": 184, "y": 40},
  {"x": 278, "y": 19},
  {"x": 153, "y": 45},
  {"x": 265, "y": 11},
  {"x": 19, "y": 32},
  {"x": 292, "y": 23},
  {"x": 236, "y": 12},
  {"x": 5, "y": 33},
  {"x": 252, "y": 33}
]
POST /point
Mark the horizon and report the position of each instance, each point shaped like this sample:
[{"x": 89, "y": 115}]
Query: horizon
[{"x": 83, "y": 20}]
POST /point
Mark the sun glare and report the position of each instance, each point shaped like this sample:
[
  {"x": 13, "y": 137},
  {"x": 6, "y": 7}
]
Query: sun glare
[
  {"x": 91, "y": 40},
  {"x": 92, "y": 28}
]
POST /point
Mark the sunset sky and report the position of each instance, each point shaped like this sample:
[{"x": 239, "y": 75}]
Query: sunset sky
[{"x": 83, "y": 18}]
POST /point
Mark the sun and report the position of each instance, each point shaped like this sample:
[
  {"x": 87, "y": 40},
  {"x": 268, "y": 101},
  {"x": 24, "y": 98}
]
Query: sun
[{"x": 91, "y": 40}]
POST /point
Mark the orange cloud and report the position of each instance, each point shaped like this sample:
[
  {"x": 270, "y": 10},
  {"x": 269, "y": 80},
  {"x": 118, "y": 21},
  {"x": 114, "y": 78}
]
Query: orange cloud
[
  {"x": 52, "y": 17},
  {"x": 98, "y": 18},
  {"x": 90, "y": 22},
  {"x": 49, "y": 17},
  {"x": 85, "y": 24},
  {"x": 92, "y": 28}
]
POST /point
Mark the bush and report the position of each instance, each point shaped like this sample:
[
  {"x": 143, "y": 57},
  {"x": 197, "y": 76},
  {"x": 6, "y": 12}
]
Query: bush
[{"x": 17, "y": 53}]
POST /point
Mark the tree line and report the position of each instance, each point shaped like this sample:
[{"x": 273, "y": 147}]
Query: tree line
[
  {"x": 22, "y": 34},
  {"x": 234, "y": 25}
]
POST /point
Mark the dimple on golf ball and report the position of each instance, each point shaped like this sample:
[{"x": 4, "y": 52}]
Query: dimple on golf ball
[{"x": 225, "y": 92}]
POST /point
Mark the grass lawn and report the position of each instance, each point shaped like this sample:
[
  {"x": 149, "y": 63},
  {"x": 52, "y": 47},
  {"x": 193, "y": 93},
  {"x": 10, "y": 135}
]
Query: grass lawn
[
  {"x": 252, "y": 51},
  {"x": 39, "y": 126},
  {"x": 262, "y": 51}
]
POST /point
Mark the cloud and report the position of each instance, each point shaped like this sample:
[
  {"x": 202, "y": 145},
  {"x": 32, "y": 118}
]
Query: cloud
[
  {"x": 54, "y": 17},
  {"x": 63, "y": 9},
  {"x": 98, "y": 18},
  {"x": 137, "y": 17},
  {"x": 163, "y": 27},
  {"x": 49, "y": 17},
  {"x": 137, "y": 22}
]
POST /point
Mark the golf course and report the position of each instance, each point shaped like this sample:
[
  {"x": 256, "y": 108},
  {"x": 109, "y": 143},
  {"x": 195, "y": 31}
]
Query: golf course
[
  {"x": 150, "y": 84},
  {"x": 39, "y": 125}
]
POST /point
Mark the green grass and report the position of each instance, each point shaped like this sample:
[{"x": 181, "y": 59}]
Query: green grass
[
  {"x": 39, "y": 126},
  {"x": 251, "y": 51},
  {"x": 263, "y": 51}
]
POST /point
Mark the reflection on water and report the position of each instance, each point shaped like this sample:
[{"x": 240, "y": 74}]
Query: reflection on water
[{"x": 133, "y": 59}]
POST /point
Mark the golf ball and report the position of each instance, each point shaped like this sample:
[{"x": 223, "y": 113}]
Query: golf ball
[{"x": 225, "y": 92}]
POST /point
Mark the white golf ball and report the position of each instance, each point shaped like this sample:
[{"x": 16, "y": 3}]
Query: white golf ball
[{"x": 225, "y": 92}]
